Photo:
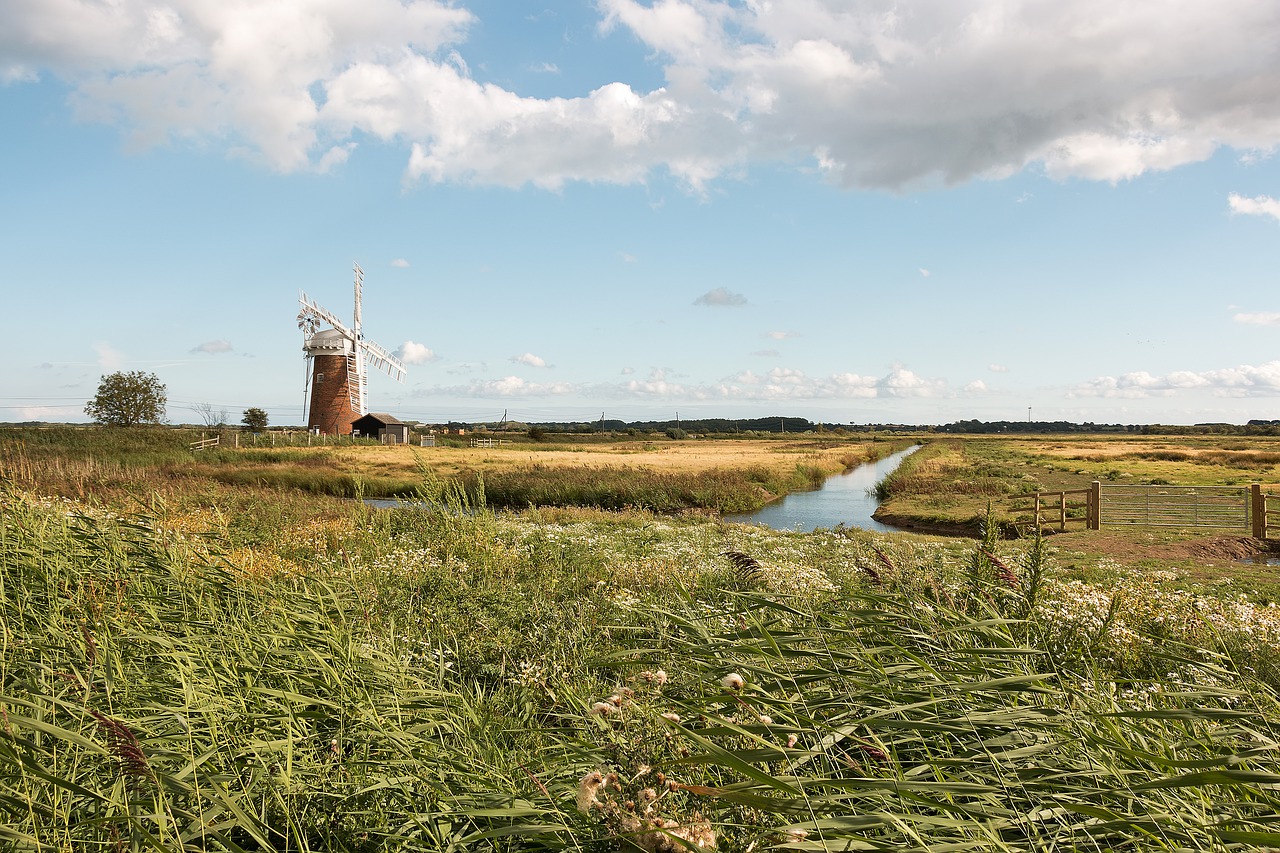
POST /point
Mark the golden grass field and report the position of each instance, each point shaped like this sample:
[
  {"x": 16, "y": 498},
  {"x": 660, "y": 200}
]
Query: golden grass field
[{"x": 690, "y": 456}]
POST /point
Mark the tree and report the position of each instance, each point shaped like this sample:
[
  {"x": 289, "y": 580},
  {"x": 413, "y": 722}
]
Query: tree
[
  {"x": 212, "y": 417},
  {"x": 128, "y": 399},
  {"x": 255, "y": 419}
]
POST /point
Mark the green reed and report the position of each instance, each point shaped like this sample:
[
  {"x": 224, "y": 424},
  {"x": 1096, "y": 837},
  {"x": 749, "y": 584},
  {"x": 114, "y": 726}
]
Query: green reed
[{"x": 443, "y": 677}]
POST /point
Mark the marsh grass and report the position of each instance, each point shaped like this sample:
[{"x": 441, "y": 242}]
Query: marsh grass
[
  {"x": 444, "y": 677},
  {"x": 725, "y": 491}
]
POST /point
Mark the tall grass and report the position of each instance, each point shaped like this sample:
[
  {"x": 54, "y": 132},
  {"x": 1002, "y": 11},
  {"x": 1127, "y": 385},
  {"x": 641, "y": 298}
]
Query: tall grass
[
  {"x": 448, "y": 678},
  {"x": 725, "y": 491}
]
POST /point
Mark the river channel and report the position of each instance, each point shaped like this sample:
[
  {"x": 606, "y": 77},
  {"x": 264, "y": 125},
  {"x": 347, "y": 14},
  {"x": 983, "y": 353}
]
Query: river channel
[{"x": 843, "y": 499}]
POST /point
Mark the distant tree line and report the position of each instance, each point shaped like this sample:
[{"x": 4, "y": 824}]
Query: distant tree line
[
  {"x": 1253, "y": 427},
  {"x": 975, "y": 426}
]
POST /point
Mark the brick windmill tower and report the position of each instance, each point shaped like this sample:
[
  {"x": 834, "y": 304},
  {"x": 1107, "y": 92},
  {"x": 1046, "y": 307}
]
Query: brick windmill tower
[{"x": 339, "y": 358}]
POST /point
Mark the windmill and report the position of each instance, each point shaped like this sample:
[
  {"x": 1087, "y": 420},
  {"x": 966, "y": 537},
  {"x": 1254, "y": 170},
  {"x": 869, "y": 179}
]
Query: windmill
[{"x": 339, "y": 358}]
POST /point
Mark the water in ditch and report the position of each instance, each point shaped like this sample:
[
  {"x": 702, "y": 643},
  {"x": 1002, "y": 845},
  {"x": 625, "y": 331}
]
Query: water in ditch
[{"x": 843, "y": 499}]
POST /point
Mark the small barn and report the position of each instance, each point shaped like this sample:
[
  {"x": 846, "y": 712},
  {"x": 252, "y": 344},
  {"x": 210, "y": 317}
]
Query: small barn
[{"x": 388, "y": 429}]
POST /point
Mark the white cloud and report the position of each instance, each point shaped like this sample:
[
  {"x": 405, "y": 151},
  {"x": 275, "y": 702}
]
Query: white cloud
[
  {"x": 997, "y": 368},
  {"x": 108, "y": 357},
  {"x": 767, "y": 353},
  {"x": 779, "y": 384},
  {"x": 529, "y": 360},
  {"x": 977, "y": 386},
  {"x": 1263, "y": 318},
  {"x": 213, "y": 347},
  {"x": 400, "y": 263},
  {"x": 545, "y": 68},
  {"x": 782, "y": 336},
  {"x": 924, "y": 272},
  {"x": 49, "y": 413},
  {"x": 507, "y": 386},
  {"x": 1243, "y": 381},
  {"x": 415, "y": 353},
  {"x": 627, "y": 257},
  {"x": 1262, "y": 205},
  {"x": 721, "y": 297},
  {"x": 875, "y": 94}
]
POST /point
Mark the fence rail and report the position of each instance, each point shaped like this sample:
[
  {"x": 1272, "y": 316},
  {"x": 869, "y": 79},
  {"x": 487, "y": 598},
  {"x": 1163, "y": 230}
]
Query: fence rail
[
  {"x": 1243, "y": 508},
  {"x": 205, "y": 443}
]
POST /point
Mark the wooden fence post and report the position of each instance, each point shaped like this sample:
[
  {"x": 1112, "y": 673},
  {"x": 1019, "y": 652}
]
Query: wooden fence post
[
  {"x": 1094, "y": 506},
  {"x": 1258, "y": 513}
]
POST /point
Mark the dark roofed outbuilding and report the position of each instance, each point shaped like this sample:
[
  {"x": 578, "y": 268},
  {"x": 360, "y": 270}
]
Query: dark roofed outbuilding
[{"x": 390, "y": 429}]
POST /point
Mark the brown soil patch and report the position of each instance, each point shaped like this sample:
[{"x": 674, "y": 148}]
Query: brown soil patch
[{"x": 1130, "y": 548}]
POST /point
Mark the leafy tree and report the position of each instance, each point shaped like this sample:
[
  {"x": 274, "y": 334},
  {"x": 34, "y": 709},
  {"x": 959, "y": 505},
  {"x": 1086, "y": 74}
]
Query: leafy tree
[
  {"x": 128, "y": 399},
  {"x": 255, "y": 419}
]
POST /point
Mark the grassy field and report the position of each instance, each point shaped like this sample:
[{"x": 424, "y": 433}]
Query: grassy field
[
  {"x": 187, "y": 664},
  {"x": 951, "y": 481},
  {"x": 661, "y": 475}
]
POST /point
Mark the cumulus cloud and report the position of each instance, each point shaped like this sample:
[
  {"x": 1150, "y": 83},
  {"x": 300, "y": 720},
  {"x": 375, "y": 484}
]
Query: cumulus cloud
[
  {"x": 782, "y": 336},
  {"x": 213, "y": 347},
  {"x": 1243, "y": 381},
  {"x": 48, "y": 413},
  {"x": 977, "y": 386},
  {"x": 875, "y": 94},
  {"x": 721, "y": 297},
  {"x": 529, "y": 360},
  {"x": 415, "y": 353},
  {"x": 507, "y": 386},
  {"x": 780, "y": 384},
  {"x": 400, "y": 263},
  {"x": 109, "y": 358},
  {"x": 924, "y": 272},
  {"x": 1264, "y": 318},
  {"x": 997, "y": 368},
  {"x": 1262, "y": 205}
]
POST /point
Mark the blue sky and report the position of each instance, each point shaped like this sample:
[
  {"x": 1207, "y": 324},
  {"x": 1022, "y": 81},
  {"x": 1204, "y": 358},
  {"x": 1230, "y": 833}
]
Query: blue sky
[{"x": 848, "y": 211}]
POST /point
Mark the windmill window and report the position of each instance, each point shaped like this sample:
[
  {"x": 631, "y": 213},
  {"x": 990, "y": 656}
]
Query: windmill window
[{"x": 319, "y": 377}]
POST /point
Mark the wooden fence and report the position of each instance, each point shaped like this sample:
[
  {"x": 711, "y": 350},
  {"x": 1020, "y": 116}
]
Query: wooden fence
[
  {"x": 1241, "y": 508},
  {"x": 204, "y": 443}
]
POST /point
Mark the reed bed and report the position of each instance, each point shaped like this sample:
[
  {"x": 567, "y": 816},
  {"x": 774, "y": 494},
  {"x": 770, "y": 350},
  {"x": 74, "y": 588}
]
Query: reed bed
[
  {"x": 447, "y": 677},
  {"x": 721, "y": 490}
]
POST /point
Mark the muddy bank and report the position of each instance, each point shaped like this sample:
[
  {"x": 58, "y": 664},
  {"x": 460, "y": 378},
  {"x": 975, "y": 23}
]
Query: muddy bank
[{"x": 912, "y": 524}]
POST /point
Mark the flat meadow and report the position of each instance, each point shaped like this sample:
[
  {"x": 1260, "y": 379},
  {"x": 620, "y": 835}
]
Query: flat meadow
[{"x": 191, "y": 660}]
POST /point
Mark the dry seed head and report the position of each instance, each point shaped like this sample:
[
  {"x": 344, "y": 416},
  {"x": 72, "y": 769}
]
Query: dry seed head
[
  {"x": 124, "y": 745},
  {"x": 732, "y": 681},
  {"x": 588, "y": 786},
  {"x": 603, "y": 709},
  {"x": 672, "y": 716}
]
